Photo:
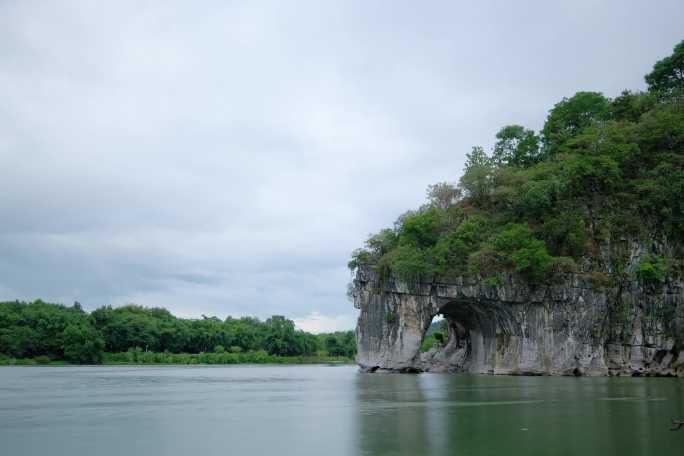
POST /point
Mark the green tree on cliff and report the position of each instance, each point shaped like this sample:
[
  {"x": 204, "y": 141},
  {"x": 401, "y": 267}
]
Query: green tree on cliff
[
  {"x": 667, "y": 76},
  {"x": 607, "y": 170},
  {"x": 516, "y": 146},
  {"x": 570, "y": 116},
  {"x": 477, "y": 176}
]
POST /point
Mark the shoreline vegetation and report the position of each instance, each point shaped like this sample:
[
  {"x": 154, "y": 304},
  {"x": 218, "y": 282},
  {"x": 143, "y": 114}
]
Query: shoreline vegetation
[
  {"x": 134, "y": 358},
  {"x": 40, "y": 333}
]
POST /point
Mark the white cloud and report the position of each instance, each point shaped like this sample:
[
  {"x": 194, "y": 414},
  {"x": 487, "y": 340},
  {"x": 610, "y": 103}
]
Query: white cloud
[
  {"x": 317, "y": 323},
  {"x": 225, "y": 158}
]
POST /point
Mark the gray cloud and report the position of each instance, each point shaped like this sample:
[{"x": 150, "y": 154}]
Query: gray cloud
[{"x": 225, "y": 157}]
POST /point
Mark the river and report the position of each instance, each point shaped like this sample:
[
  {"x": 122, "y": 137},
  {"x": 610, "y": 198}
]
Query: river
[{"x": 329, "y": 410}]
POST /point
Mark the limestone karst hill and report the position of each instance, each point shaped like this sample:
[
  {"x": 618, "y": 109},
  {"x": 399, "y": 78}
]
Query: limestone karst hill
[{"x": 559, "y": 252}]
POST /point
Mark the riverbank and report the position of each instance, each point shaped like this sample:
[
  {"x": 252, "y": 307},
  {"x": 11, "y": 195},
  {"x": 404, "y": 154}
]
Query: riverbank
[{"x": 139, "y": 357}]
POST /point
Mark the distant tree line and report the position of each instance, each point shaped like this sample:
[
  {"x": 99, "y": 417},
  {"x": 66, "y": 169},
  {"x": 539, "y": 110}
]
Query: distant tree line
[{"x": 57, "y": 332}]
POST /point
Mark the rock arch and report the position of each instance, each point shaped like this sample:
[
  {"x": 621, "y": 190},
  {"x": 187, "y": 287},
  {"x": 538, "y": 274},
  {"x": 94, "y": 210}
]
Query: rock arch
[{"x": 567, "y": 328}]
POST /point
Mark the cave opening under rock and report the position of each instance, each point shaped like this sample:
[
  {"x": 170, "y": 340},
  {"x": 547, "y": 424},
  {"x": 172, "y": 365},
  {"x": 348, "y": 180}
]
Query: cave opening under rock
[{"x": 475, "y": 330}]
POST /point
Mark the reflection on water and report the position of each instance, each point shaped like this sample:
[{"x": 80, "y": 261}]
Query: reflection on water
[
  {"x": 313, "y": 410},
  {"x": 464, "y": 414}
]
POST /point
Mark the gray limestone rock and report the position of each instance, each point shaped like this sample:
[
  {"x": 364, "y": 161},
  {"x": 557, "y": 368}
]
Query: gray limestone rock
[{"x": 571, "y": 327}]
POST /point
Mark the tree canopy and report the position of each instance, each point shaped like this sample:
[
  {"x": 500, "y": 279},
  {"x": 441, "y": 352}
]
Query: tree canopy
[
  {"x": 516, "y": 146},
  {"x": 601, "y": 171},
  {"x": 570, "y": 116},
  {"x": 667, "y": 76},
  {"x": 29, "y": 330}
]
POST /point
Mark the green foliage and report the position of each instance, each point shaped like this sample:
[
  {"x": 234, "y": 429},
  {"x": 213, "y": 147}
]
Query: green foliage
[
  {"x": 40, "y": 331},
  {"x": 453, "y": 248},
  {"x": 538, "y": 197},
  {"x": 516, "y": 146},
  {"x": 478, "y": 176},
  {"x": 492, "y": 280},
  {"x": 600, "y": 279},
  {"x": 421, "y": 229},
  {"x": 571, "y": 116},
  {"x": 658, "y": 176},
  {"x": 436, "y": 335},
  {"x": 443, "y": 195},
  {"x": 528, "y": 256},
  {"x": 358, "y": 258},
  {"x": 485, "y": 261},
  {"x": 410, "y": 263},
  {"x": 608, "y": 171},
  {"x": 341, "y": 344},
  {"x": 377, "y": 245},
  {"x": 130, "y": 326},
  {"x": 629, "y": 106},
  {"x": 590, "y": 174},
  {"x": 83, "y": 344},
  {"x": 42, "y": 359},
  {"x": 391, "y": 317},
  {"x": 667, "y": 76},
  {"x": 431, "y": 341},
  {"x": 383, "y": 242},
  {"x": 652, "y": 269},
  {"x": 251, "y": 357},
  {"x": 565, "y": 234},
  {"x": 37, "y": 328},
  {"x": 281, "y": 338},
  {"x": 562, "y": 264}
]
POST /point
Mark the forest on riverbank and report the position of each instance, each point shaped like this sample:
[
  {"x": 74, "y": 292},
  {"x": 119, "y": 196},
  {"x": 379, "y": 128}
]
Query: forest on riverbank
[{"x": 46, "y": 333}]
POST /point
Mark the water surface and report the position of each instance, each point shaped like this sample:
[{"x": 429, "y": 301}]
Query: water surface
[{"x": 307, "y": 410}]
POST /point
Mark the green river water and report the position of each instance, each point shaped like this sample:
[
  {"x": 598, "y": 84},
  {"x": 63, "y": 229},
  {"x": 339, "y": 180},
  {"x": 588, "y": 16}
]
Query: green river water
[{"x": 329, "y": 410}]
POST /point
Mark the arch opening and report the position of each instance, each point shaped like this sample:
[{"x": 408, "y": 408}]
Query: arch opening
[{"x": 461, "y": 347}]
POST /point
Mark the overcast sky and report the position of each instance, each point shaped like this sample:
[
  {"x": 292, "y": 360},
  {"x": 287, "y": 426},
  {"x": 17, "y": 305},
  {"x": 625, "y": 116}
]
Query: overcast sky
[{"x": 224, "y": 158}]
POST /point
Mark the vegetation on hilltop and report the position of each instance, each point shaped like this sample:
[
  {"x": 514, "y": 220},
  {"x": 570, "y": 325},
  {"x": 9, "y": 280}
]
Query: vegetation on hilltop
[
  {"x": 601, "y": 169},
  {"x": 47, "y": 332}
]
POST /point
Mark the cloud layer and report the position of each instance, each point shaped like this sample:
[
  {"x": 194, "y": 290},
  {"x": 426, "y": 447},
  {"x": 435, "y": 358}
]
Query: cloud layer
[{"x": 224, "y": 158}]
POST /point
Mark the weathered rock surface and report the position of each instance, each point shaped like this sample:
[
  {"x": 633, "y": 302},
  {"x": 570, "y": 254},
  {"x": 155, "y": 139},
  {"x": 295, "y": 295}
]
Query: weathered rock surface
[{"x": 572, "y": 327}]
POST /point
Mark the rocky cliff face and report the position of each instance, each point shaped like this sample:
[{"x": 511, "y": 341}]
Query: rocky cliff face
[{"x": 571, "y": 327}]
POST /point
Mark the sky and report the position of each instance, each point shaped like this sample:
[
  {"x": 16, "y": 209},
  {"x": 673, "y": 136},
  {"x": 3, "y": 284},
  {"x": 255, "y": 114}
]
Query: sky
[{"x": 224, "y": 158}]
